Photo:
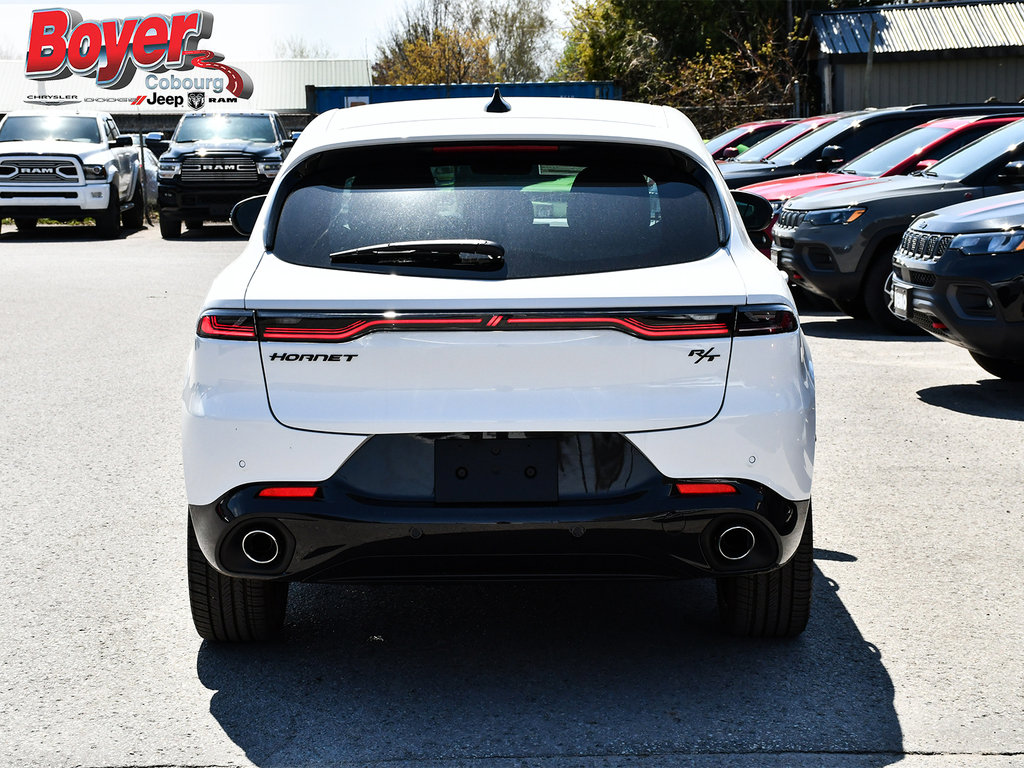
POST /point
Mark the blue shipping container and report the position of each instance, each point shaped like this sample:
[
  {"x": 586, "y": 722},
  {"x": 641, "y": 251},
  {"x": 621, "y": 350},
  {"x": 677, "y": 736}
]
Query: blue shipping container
[{"x": 320, "y": 98}]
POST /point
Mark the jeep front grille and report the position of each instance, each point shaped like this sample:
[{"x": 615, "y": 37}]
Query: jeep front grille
[
  {"x": 791, "y": 219},
  {"x": 35, "y": 170},
  {"x": 218, "y": 169},
  {"x": 922, "y": 247}
]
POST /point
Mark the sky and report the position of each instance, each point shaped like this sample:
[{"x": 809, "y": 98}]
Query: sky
[{"x": 351, "y": 29}]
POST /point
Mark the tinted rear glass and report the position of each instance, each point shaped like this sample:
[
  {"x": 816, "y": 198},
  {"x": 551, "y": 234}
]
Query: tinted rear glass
[{"x": 554, "y": 209}]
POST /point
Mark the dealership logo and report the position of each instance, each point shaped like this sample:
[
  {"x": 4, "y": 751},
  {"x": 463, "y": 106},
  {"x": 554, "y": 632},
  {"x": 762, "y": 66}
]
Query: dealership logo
[
  {"x": 50, "y": 100},
  {"x": 111, "y": 51},
  {"x": 196, "y": 99}
]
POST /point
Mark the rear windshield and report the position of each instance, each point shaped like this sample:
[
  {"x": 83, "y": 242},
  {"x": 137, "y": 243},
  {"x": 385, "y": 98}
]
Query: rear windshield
[
  {"x": 60, "y": 127},
  {"x": 770, "y": 145},
  {"x": 553, "y": 209},
  {"x": 211, "y": 127}
]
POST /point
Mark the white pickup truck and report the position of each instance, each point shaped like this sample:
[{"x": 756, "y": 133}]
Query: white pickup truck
[{"x": 68, "y": 166}]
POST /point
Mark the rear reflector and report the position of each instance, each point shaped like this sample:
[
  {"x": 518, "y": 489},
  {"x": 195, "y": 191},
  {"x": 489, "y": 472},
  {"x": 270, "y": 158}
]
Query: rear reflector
[
  {"x": 290, "y": 492},
  {"x": 703, "y": 489},
  {"x": 224, "y": 325}
]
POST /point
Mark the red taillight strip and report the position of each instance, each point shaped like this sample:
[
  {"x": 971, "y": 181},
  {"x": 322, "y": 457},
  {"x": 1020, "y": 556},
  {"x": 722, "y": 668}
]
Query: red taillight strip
[
  {"x": 703, "y": 489},
  {"x": 630, "y": 324},
  {"x": 227, "y": 326},
  {"x": 289, "y": 492},
  {"x": 360, "y": 328},
  {"x": 346, "y": 328}
]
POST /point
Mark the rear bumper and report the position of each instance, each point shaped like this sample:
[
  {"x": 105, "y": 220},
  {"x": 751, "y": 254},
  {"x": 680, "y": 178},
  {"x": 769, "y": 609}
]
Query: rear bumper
[{"x": 647, "y": 533}]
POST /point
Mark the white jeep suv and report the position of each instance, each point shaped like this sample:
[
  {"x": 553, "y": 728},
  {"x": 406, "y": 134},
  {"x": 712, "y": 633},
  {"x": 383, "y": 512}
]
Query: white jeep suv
[
  {"x": 65, "y": 166},
  {"x": 526, "y": 338}
]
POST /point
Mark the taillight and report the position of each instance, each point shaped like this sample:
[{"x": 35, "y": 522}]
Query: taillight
[
  {"x": 227, "y": 325},
  {"x": 289, "y": 492},
  {"x": 644, "y": 325},
  {"x": 702, "y": 489},
  {"x": 761, "y": 322}
]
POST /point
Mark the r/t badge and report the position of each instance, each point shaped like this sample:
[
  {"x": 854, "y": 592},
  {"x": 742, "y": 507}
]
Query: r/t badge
[{"x": 703, "y": 354}]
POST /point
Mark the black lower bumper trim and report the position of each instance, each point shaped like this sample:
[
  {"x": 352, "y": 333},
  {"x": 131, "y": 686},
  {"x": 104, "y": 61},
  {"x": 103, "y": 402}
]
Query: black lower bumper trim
[{"x": 653, "y": 534}]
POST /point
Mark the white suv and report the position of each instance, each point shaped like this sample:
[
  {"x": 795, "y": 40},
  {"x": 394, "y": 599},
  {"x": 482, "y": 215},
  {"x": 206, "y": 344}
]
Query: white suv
[{"x": 509, "y": 339}]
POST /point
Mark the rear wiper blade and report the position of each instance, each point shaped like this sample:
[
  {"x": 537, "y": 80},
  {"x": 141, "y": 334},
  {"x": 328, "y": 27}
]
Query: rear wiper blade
[{"x": 455, "y": 254}]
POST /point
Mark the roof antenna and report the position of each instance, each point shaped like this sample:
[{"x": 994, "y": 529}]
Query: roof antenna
[{"x": 498, "y": 104}]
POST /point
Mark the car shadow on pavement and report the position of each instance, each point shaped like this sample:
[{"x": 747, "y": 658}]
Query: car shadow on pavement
[
  {"x": 989, "y": 398},
  {"x": 832, "y": 325},
  {"x": 567, "y": 673}
]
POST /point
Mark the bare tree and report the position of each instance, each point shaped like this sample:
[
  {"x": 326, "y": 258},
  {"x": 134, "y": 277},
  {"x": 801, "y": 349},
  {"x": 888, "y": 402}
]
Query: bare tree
[
  {"x": 458, "y": 41},
  {"x": 521, "y": 38},
  {"x": 297, "y": 47}
]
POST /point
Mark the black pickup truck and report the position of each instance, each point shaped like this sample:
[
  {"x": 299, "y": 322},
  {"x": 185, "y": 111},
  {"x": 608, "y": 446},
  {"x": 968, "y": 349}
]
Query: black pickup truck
[{"x": 215, "y": 160}]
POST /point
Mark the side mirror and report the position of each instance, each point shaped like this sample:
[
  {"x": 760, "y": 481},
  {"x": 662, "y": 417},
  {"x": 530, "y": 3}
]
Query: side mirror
[
  {"x": 1012, "y": 172},
  {"x": 295, "y": 135},
  {"x": 755, "y": 211},
  {"x": 287, "y": 143},
  {"x": 122, "y": 141},
  {"x": 154, "y": 136},
  {"x": 245, "y": 213},
  {"x": 728, "y": 153},
  {"x": 923, "y": 165},
  {"x": 831, "y": 156}
]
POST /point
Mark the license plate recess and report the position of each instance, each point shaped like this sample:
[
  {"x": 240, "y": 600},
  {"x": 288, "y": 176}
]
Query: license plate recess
[
  {"x": 495, "y": 471},
  {"x": 901, "y": 301}
]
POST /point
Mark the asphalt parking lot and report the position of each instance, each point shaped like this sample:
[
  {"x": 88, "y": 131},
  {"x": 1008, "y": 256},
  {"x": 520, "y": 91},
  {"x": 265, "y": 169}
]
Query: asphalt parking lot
[{"x": 913, "y": 655}]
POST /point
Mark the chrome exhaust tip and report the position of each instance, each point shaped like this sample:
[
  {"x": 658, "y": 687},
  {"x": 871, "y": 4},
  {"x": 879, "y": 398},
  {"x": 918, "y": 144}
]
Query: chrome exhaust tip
[
  {"x": 736, "y": 543},
  {"x": 260, "y": 547}
]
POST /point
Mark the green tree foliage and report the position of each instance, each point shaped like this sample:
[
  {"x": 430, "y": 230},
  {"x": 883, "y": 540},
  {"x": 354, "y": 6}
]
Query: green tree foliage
[
  {"x": 722, "y": 61},
  {"x": 461, "y": 41}
]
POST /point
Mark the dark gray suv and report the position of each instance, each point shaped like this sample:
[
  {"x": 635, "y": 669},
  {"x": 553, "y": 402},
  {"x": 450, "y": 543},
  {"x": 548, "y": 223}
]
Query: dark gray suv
[{"x": 839, "y": 242}]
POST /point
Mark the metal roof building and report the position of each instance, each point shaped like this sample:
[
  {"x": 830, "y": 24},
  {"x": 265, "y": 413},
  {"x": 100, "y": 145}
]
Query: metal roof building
[{"x": 925, "y": 52}]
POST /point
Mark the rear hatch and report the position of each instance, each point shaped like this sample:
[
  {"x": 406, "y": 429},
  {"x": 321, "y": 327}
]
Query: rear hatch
[{"x": 535, "y": 288}]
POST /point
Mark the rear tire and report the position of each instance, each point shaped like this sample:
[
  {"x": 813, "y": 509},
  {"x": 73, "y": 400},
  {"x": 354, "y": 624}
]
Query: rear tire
[
  {"x": 26, "y": 225},
  {"x": 226, "y": 609},
  {"x": 775, "y": 604},
  {"x": 170, "y": 228},
  {"x": 1008, "y": 370},
  {"x": 108, "y": 221}
]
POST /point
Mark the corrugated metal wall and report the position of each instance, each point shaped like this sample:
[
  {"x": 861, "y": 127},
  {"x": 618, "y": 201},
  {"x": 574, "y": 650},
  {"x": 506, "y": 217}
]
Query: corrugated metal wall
[{"x": 960, "y": 80}]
